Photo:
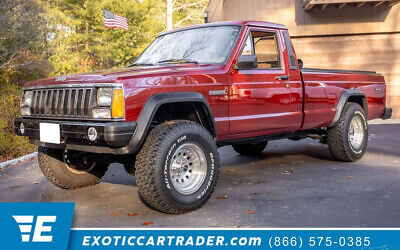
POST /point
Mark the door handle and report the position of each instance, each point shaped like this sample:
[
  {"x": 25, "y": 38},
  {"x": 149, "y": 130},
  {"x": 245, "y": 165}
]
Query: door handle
[{"x": 284, "y": 77}]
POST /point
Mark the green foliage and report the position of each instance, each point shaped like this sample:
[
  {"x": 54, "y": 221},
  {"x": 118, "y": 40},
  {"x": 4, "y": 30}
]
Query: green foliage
[
  {"x": 188, "y": 12},
  {"x": 22, "y": 46},
  {"x": 80, "y": 42},
  {"x": 40, "y": 38},
  {"x": 11, "y": 145},
  {"x": 22, "y": 58}
]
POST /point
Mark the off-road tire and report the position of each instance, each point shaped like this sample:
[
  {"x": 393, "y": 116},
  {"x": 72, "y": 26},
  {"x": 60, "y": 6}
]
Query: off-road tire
[
  {"x": 153, "y": 165},
  {"x": 250, "y": 148},
  {"x": 58, "y": 172},
  {"x": 338, "y": 136}
]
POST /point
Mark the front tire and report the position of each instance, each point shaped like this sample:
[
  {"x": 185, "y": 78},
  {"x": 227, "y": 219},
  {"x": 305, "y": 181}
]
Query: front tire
[
  {"x": 348, "y": 139},
  {"x": 177, "y": 167},
  {"x": 70, "y": 169},
  {"x": 250, "y": 148}
]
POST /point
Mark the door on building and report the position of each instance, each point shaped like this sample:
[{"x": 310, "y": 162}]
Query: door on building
[{"x": 260, "y": 97}]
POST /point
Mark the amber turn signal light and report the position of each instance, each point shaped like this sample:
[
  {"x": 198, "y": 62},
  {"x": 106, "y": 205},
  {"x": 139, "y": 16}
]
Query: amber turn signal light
[{"x": 117, "y": 107}]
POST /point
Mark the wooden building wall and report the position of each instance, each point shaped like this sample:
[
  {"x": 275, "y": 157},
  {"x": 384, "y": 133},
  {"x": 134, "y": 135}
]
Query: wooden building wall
[
  {"x": 329, "y": 21},
  {"x": 377, "y": 52},
  {"x": 364, "y": 38}
]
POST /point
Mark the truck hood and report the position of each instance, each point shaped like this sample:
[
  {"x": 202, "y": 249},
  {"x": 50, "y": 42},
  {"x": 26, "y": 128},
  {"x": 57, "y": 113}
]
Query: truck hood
[{"x": 118, "y": 75}]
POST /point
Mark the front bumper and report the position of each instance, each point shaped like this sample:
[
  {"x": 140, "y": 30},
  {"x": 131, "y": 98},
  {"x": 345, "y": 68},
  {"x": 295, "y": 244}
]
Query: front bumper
[{"x": 74, "y": 134}]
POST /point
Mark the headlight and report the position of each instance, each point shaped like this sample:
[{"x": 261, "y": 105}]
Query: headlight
[
  {"x": 26, "y": 103},
  {"x": 27, "y": 99},
  {"x": 104, "y": 96},
  {"x": 111, "y": 103},
  {"x": 101, "y": 113}
]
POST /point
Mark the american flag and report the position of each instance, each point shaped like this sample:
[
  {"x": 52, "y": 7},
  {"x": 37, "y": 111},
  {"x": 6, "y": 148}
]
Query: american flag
[{"x": 112, "y": 20}]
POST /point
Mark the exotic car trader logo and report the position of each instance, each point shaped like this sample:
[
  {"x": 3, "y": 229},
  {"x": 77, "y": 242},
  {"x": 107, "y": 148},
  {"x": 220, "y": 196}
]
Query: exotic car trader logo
[{"x": 25, "y": 223}]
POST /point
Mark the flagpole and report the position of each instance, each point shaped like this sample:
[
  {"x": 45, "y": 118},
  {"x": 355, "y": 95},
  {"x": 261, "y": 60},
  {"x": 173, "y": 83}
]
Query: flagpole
[{"x": 108, "y": 65}]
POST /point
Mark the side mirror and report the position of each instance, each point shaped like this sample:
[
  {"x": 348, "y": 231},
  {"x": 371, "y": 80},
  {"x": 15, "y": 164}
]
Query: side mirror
[
  {"x": 300, "y": 62},
  {"x": 246, "y": 62}
]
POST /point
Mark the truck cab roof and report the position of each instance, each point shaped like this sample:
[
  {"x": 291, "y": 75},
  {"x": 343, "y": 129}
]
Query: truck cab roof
[{"x": 241, "y": 23}]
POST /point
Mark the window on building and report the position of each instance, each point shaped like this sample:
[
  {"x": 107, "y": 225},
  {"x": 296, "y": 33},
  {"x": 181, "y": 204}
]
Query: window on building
[{"x": 264, "y": 45}]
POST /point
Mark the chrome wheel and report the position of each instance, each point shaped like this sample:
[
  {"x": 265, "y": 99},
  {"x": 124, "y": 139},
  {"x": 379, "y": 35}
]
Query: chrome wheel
[
  {"x": 188, "y": 168},
  {"x": 356, "y": 132}
]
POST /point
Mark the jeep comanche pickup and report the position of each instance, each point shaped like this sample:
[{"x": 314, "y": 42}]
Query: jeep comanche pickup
[{"x": 192, "y": 90}]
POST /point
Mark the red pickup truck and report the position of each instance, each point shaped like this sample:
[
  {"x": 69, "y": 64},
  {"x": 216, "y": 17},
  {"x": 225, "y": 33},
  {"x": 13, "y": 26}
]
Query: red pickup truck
[{"x": 191, "y": 91}]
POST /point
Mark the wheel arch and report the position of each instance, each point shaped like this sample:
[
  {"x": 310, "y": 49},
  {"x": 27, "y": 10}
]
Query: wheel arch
[
  {"x": 350, "y": 95},
  {"x": 190, "y": 110},
  {"x": 156, "y": 102}
]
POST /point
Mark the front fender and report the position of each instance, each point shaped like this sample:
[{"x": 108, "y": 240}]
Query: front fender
[{"x": 150, "y": 108}]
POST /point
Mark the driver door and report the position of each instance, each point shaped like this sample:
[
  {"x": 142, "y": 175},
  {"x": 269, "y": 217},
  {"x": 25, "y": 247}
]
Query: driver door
[{"x": 260, "y": 97}]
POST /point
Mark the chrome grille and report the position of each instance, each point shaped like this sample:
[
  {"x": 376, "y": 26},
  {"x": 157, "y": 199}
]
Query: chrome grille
[{"x": 63, "y": 102}]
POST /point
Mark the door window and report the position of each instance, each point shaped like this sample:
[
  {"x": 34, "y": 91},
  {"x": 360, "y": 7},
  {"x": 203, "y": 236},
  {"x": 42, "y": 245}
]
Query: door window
[
  {"x": 266, "y": 49},
  {"x": 248, "y": 47},
  {"x": 264, "y": 45}
]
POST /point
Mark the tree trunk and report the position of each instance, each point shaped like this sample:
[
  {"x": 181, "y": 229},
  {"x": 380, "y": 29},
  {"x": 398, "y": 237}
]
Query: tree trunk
[
  {"x": 169, "y": 14},
  {"x": 87, "y": 59},
  {"x": 87, "y": 36}
]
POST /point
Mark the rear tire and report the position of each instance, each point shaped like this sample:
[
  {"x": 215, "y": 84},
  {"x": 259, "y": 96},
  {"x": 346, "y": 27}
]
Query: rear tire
[
  {"x": 177, "y": 167},
  {"x": 348, "y": 139},
  {"x": 250, "y": 148},
  {"x": 72, "y": 175}
]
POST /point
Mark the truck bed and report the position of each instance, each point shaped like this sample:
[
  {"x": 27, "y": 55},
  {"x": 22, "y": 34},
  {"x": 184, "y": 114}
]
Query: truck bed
[{"x": 323, "y": 88}]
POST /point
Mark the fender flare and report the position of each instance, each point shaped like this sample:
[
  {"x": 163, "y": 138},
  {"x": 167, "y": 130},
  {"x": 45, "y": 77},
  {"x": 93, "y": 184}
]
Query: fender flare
[
  {"x": 149, "y": 110},
  {"x": 344, "y": 97}
]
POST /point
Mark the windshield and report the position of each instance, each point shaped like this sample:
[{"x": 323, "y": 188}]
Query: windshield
[{"x": 210, "y": 45}]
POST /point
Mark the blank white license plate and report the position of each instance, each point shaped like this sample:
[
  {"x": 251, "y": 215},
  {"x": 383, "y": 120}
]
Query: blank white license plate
[{"x": 50, "y": 132}]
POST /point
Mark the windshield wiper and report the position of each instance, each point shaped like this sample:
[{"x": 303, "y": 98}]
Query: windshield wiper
[
  {"x": 141, "y": 64},
  {"x": 178, "y": 61}
]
